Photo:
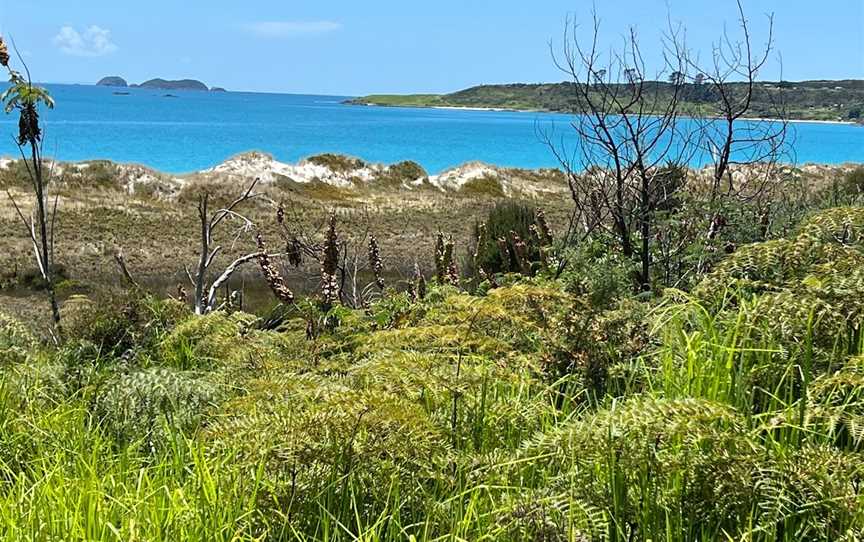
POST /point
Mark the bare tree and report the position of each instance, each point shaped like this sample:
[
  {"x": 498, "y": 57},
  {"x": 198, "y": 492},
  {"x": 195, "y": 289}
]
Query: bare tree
[
  {"x": 628, "y": 133},
  {"x": 205, "y": 289},
  {"x": 25, "y": 98},
  {"x": 636, "y": 130},
  {"x": 731, "y": 138}
]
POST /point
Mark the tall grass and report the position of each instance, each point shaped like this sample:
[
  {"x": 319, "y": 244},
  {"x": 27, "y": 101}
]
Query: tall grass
[{"x": 452, "y": 421}]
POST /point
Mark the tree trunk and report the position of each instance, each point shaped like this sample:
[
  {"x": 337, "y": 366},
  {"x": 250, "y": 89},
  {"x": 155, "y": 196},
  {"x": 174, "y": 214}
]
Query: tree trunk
[
  {"x": 200, "y": 276},
  {"x": 44, "y": 242}
]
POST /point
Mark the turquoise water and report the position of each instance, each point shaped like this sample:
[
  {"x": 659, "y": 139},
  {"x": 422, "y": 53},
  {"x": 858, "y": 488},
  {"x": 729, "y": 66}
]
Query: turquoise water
[{"x": 196, "y": 130}]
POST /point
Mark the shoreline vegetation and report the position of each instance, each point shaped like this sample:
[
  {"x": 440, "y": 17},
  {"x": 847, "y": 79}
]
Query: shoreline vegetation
[
  {"x": 509, "y": 110},
  {"x": 839, "y": 101}
]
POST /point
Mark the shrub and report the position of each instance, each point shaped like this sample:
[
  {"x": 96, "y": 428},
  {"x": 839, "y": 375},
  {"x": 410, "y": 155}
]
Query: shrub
[
  {"x": 150, "y": 405},
  {"x": 486, "y": 186},
  {"x": 598, "y": 347},
  {"x": 123, "y": 324},
  {"x": 504, "y": 217},
  {"x": 14, "y": 175},
  {"x": 401, "y": 173},
  {"x": 99, "y": 174},
  {"x": 16, "y": 342},
  {"x": 336, "y": 162},
  {"x": 31, "y": 277},
  {"x": 852, "y": 183},
  {"x": 596, "y": 273}
]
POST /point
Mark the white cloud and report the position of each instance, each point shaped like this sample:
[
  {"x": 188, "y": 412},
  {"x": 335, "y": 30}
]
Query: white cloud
[
  {"x": 291, "y": 29},
  {"x": 94, "y": 41}
]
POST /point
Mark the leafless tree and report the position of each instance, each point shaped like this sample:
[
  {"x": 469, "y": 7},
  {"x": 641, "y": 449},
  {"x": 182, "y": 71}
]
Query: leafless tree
[
  {"x": 731, "y": 139},
  {"x": 629, "y": 133},
  {"x": 205, "y": 289},
  {"x": 24, "y": 97},
  {"x": 636, "y": 129}
]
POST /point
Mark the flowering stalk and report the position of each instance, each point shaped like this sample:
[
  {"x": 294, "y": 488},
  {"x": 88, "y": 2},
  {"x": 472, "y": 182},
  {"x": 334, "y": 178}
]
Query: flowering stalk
[
  {"x": 481, "y": 240},
  {"x": 274, "y": 280},
  {"x": 504, "y": 250},
  {"x": 543, "y": 231},
  {"x": 420, "y": 281},
  {"x": 329, "y": 266},
  {"x": 440, "y": 265},
  {"x": 452, "y": 270},
  {"x": 520, "y": 249},
  {"x": 375, "y": 262}
]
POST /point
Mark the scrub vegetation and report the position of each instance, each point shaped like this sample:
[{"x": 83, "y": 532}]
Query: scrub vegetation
[{"x": 638, "y": 352}]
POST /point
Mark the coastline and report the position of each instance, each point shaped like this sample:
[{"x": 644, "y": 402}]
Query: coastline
[{"x": 513, "y": 110}]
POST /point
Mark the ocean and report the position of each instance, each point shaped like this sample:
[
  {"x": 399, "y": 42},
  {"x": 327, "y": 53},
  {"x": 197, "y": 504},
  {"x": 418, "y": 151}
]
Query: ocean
[{"x": 196, "y": 130}]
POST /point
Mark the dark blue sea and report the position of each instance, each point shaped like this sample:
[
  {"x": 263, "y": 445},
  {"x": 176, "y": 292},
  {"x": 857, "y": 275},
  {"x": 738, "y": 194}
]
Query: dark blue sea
[{"x": 196, "y": 130}]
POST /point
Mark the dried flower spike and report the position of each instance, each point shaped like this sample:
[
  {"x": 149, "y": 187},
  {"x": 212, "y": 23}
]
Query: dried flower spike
[
  {"x": 504, "y": 251},
  {"x": 543, "y": 231},
  {"x": 440, "y": 265},
  {"x": 329, "y": 266},
  {"x": 274, "y": 280},
  {"x": 481, "y": 240},
  {"x": 520, "y": 249},
  {"x": 421, "y": 282},
  {"x": 375, "y": 262},
  {"x": 450, "y": 264},
  {"x": 4, "y": 53}
]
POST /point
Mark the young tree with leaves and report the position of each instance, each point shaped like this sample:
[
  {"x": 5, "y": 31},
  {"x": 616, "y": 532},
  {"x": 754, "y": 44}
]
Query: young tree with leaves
[{"x": 25, "y": 98}]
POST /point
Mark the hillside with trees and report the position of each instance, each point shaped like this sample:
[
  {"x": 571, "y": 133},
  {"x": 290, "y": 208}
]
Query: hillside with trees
[{"x": 806, "y": 100}]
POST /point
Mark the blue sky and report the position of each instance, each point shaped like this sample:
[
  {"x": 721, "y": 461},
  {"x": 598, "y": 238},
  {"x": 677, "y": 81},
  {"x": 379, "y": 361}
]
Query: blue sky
[{"x": 349, "y": 47}]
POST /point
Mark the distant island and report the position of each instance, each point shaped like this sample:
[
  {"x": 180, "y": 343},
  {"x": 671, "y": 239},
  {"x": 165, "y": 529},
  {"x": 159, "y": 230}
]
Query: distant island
[
  {"x": 112, "y": 81},
  {"x": 806, "y": 100},
  {"x": 160, "y": 84}
]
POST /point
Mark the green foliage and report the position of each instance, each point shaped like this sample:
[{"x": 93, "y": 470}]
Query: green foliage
[
  {"x": 831, "y": 100},
  {"x": 337, "y": 162},
  {"x": 596, "y": 348},
  {"x": 852, "y": 183},
  {"x": 596, "y": 273},
  {"x": 150, "y": 406},
  {"x": 686, "y": 464},
  {"x": 22, "y": 94},
  {"x": 486, "y": 186},
  {"x": 208, "y": 341},
  {"x": 400, "y": 173},
  {"x": 15, "y": 175},
  {"x": 16, "y": 341},
  {"x": 504, "y": 217},
  {"x": 539, "y": 410},
  {"x": 121, "y": 325}
]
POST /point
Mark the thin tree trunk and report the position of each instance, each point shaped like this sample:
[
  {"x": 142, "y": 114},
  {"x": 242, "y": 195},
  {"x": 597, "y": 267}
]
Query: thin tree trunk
[
  {"x": 202, "y": 261},
  {"x": 44, "y": 243}
]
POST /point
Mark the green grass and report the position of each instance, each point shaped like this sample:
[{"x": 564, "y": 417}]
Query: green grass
[
  {"x": 735, "y": 412},
  {"x": 402, "y": 100}
]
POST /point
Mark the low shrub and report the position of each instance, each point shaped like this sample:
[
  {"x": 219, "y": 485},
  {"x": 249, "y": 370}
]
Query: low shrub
[
  {"x": 336, "y": 162},
  {"x": 151, "y": 405},
  {"x": 16, "y": 341},
  {"x": 486, "y": 186},
  {"x": 504, "y": 217}
]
